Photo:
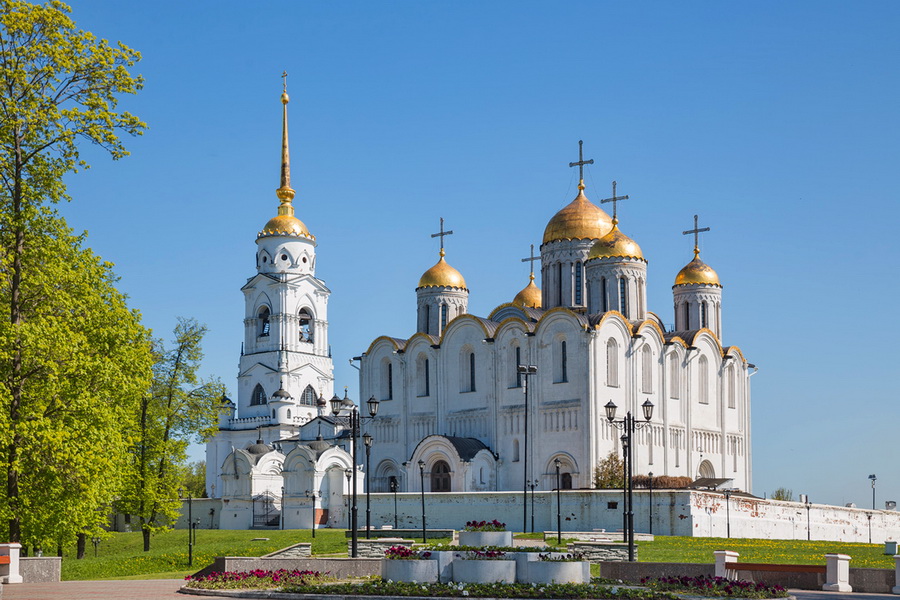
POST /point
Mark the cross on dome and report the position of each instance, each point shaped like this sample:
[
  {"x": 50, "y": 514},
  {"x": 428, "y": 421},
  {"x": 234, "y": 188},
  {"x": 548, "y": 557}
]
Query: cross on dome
[
  {"x": 696, "y": 231},
  {"x": 532, "y": 259},
  {"x": 580, "y": 164},
  {"x": 615, "y": 200},
  {"x": 441, "y": 235}
]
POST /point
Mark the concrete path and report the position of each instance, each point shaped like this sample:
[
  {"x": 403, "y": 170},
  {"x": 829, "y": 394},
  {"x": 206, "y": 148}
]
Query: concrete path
[
  {"x": 813, "y": 595},
  {"x": 146, "y": 589}
]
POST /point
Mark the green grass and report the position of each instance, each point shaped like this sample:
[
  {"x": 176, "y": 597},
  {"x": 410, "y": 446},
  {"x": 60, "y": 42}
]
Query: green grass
[{"x": 792, "y": 552}]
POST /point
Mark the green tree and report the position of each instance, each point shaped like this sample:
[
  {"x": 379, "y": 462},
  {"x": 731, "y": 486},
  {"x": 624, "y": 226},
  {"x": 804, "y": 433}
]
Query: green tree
[
  {"x": 179, "y": 408},
  {"x": 58, "y": 88},
  {"x": 608, "y": 474},
  {"x": 193, "y": 479},
  {"x": 783, "y": 493}
]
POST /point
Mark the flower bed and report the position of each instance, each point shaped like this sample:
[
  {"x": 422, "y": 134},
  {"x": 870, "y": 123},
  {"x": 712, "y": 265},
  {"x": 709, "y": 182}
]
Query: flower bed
[
  {"x": 494, "y": 525},
  {"x": 485, "y": 533},
  {"x": 494, "y": 590},
  {"x": 256, "y": 579},
  {"x": 716, "y": 586}
]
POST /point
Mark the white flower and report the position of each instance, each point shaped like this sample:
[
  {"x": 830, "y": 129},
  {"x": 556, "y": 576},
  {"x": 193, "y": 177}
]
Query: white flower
[{"x": 465, "y": 592}]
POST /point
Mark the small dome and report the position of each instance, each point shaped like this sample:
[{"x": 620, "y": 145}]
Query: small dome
[
  {"x": 442, "y": 275},
  {"x": 615, "y": 244},
  {"x": 258, "y": 448},
  {"x": 579, "y": 220},
  {"x": 530, "y": 297},
  {"x": 285, "y": 225},
  {"x": 697, "y": 272}
]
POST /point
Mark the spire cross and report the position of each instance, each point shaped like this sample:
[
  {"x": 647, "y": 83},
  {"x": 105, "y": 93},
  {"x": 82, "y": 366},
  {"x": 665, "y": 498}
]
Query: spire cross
[
  {"x": 532, "y": 260},
  {"x": 696, "y": 231},
  {"x": 615, "y": 200},
  {"x": 581, "y": 162},
  {"x": 441, "y": 235},
  {"x": 284, "y": 81}
]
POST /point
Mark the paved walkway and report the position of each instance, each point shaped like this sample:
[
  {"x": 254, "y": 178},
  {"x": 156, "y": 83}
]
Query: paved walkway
[
  {"x": 813, "y": 595},
  {"x": 146, "y": 589}
]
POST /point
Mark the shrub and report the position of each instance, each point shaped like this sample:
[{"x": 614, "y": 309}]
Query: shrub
[
  {"x": 494, "y": 525},
  {"x": 256, "y": 579},
  {"x": 716, "y": 586}
]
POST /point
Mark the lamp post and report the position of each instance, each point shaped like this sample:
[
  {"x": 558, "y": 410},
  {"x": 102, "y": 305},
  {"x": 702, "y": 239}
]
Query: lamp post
[
  {"x": 651, "y": 502},
  {"x": 96, "y": 541},
  {"x": 629, "y": 426},
  {"x": 312, "y": 495},
  {"x": 282, "y": 508},
  {"x": 367, "y": 442},
  {"x": 727, "y": 494},
  {"x": 557, "y": 463},
  {"x": 354, "y": 421},
  {"x": 349, "y": 473},
  {"x": 869, "y": 517},
  {"x": 422, "y": 484},
  {"x": 874, "y": 479},
  {"x": 394, "y": 486},
  {"x": 808, "y": 504},
  {"x": 526, "y": 371},
  {"x": 531, "y": 485},
  {"x": 190, "y": 522}
]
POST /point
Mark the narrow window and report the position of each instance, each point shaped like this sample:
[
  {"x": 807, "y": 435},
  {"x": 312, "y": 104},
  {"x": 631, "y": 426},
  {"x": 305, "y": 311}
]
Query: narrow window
[
  {"x": 703, "y": 321},
  {"x": 730, "y": 388},
  {"x": 674, "y": 376},
  {"x": 703, "y": 380},
  {"x": 273, "y": 413},
  {"x": 443, "y": 318},
  {"x": 308, "y": 398},
  {"x": 422, "y": 376},
  {"x": 604, "y": 298},
  {"x": 687, "y": 315},
  {"x": 647, "y": 370},
  {"x": 305, "y": 326},
  {"x": 567, "y": 481},
  {"x": 559, "y": 287},
  {"x": 515, "y": 456},
  {"x": 562, "y": 373},
  {"x": 612, "y": 363},
  {"x": 427, "y": 318},
  {"x": 623, "y": 297},
  {"x": 390, "y": 381},
  {"x": 289, "y": 414},
  {"x": 264, "y": 321},
  {"x": 471, "y": 371},
  {"x": 259, "y": 396},
  {"x": 578, "y": 283},
  {"x": 518, "y": 362},
  {"x": 427, "y": 379}
]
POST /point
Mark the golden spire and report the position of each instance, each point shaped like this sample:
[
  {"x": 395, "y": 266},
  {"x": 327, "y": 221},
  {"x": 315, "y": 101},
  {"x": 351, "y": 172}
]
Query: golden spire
[{"x": 285, "y": 193}]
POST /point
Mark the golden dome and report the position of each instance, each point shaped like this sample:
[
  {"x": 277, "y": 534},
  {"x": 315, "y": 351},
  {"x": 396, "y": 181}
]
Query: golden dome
[
  {"x": 579, "y": 220},
  {"x": 530, "y": 297},
  {"x": 442, "y": 275},
  {"x": 615, "y": 244},
  {"x": 697, "y": 272},
  {"x": 286, "y": 225}
]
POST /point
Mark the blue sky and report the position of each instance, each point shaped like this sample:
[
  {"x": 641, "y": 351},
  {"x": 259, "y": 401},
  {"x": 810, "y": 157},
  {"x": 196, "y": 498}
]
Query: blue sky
[{"x": 775, "y": 122}]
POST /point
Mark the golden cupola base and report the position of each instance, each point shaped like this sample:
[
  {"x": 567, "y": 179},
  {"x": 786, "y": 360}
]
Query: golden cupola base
[
  {"x": 442, "y": 275},
  {"x": 616, "y": 244},
  {"x": 530, "y": 296},
  {"x": 578, "y": 220},
  {"x": 697, "y": 272}
]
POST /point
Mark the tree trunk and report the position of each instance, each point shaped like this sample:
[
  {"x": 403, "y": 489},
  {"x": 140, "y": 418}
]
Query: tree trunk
[
  {"x": 80, "y": 544},
  {"x": 146, "y": 533}
]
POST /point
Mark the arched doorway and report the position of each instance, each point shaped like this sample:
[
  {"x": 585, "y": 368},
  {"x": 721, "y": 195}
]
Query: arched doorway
[
  {"x": 706, "y": 470},
  {"x": 440, "y": 477}
]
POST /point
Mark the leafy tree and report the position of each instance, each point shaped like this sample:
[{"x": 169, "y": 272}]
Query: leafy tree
[
  {"x": 58, "y": 88},
  {"x": 783, "y": 493},
  {"x": 608, "y": 474},
  {"x": 193, "y": 479},
  {"x": 179, "y": 408}
]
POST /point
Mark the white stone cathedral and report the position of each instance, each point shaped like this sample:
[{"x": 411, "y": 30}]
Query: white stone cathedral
[{"x": 452, "y": 397}]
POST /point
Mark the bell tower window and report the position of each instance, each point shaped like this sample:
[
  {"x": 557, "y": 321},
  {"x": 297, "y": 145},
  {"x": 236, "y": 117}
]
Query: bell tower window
[
  {"x": 264, "y": 323},
  {"x": 308, "y": 398},
  {"x": 259, "y": 396},
  {"x": 306, "y": 332}
]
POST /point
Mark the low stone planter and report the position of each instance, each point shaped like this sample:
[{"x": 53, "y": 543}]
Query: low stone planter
[
  {"x": 414, "y": 571},
  {"x": 444, "y": 560},
  {"x": 485, "y": 538},
  {"x": 540, "y": 571},
  {"x": 484, "y": 571}
]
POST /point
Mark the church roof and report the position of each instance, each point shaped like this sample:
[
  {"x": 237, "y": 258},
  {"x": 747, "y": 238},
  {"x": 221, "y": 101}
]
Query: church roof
[
  {"x": 442, "y": 275},
  {"x": 467, "y": 448},
  {"x": 697, "y": 272},
  {"x": 578, "y": 220}
]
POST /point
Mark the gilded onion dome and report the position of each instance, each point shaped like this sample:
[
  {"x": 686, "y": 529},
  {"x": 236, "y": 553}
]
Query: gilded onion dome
[
  {"x": 697, "y": 272},
  {"x": 285, "y": 223},
  {"x": 442, "y": 275},
  {"x": 578, "y": 220},
  {"x": 530, "y": 297},
  {"x": 616, "y": 244}
]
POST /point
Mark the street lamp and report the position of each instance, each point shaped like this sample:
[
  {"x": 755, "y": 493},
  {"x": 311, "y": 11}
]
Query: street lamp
[
  {"x": 727, "y": 494},
  {"x": 873, "y": 478},
  {"x": 869, "y": 516},
  {"x": 190, "y": 522},
  {"x": 422, "y": 484},
  {"x": 808, "y": 504},
  {"x": 394, "y": 486},
  {"x": 354, "y": 421},
  {"x": 651, "y": 502},
  {"x": 525, "y": 371},
  {"x": 96, "y": 541},
  {"x": 312, "y": 495},
  {"x": 629, "y": 426},
  {"x": 367, "y": 442},
  {"x": 557, "y": 463},
  {"x": 349, "y": 473},
  {"x": 531, "y": 486}
]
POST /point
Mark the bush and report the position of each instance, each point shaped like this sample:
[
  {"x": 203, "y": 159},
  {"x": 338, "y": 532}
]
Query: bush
[
  {"x": 256, "y": 579},
  {"x": 716, "y": 586}
]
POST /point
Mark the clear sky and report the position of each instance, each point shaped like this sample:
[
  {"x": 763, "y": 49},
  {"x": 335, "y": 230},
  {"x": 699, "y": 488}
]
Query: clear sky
[{"x": 776, "y": 122}]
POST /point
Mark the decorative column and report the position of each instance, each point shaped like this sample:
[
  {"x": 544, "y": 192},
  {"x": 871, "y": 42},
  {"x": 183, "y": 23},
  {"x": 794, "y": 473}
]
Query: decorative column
[{"x": 837, "y": 573}]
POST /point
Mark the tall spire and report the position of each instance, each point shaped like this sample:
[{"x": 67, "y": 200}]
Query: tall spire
[{"x": 285, "y": 193}]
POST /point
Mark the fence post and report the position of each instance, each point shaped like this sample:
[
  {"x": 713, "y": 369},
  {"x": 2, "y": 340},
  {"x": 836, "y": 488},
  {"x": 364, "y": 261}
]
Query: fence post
[
  {"x": 9, "y": 573},
  {"x": 837, "y": 573},
  {"x": 722, "y": 557},
  {"x": 896, "y": 588}
]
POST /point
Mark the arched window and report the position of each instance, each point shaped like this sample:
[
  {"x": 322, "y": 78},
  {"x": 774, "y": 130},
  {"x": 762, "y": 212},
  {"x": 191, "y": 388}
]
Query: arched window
[
  {"x": 273, "y": 413},
  {"x": 471, "y": 371},
  {"x": 443, "y": 318},
  {"x": 264, "y": 324},
  {"x": 423, "y": 377},
  {"x": 308, "y": 397},
  {"x": 566, "y": 481},
  {"x": 646, "y": 370},
  {"x": 559, "y": 285},
  {"x": 258, "y": 396},
  {"x": 466, "y": 370},
  {"x": 515, "y": 454},
  {"x": 612, "y": 363},
  {"x": 427, "y": 318},
  {"x": 687, "y": 315},
  {"x": 730, "y": 387},
  {"x": 515, "y": 361},
  {"x": 604, "y": 297},
  {"x": 703, "y": 319},
  {"x": 390, "y": 382},
  {"x": 578, "y": 283},
  {"x": 623, "y": 296},
  {"x": 440, "y": 477},
  {"x": 561, "y": 375},
  {"x": 703, "y": 380},
  {"x": 306, "y": 321},
  {"x": 674, "y": 376},
  {"x": 289, "y": 414}
]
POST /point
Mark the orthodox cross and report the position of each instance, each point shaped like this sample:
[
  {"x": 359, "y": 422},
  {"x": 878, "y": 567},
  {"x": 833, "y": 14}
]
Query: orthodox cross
[
  {"x": 696, "y": 231},
  {"x": 615, "y": 199},
  {"x": 581, "y": 162},
  {"x": 442, "y": 233},
  {"x": 284, "y": 80},
  {"x": 532, "y": 260}
]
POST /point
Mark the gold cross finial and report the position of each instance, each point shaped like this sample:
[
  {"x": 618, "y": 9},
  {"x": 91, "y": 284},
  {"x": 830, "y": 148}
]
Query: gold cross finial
[
  {"x": 284, "y": 81},
  {"x": 696, "y": 231},
  {"x": 580, "y": 164}
]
